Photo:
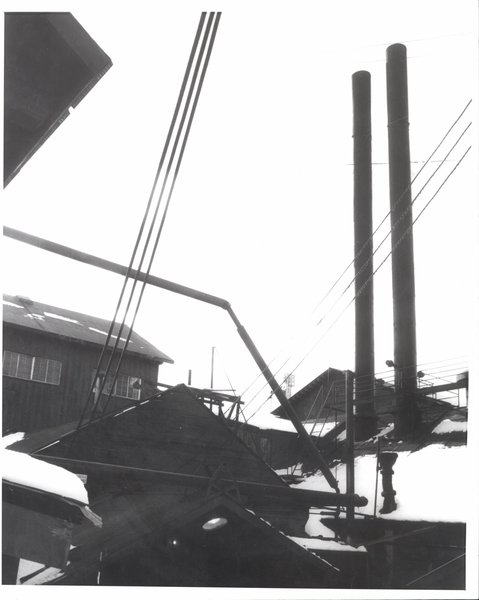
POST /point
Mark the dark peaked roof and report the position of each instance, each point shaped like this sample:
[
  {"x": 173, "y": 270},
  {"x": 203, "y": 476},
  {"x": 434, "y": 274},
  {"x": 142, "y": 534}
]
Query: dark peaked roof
[
  {"x": 156, "y": 473},
  {"x": 19, "y": 311},
  {"x": 327, "y": 376}
]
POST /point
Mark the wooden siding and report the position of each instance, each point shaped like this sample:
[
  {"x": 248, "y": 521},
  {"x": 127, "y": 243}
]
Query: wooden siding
[
  {"x": 175, "y": 433},
  {"x": 178, "y": 433},
  {"x": 279, "y": 449},
  {"x": 30, "y": 405}
]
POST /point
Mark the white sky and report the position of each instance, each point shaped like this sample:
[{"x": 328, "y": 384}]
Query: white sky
[{"x": 262, "y": 211}]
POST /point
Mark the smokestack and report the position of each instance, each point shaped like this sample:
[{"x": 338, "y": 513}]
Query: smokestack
[
  {"x": 407, "y": 416},
  {"x": 365, "y": 418}
]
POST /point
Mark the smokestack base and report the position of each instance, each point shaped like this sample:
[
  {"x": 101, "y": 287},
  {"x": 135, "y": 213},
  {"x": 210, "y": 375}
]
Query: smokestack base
[{"x": 365, "y": 426}]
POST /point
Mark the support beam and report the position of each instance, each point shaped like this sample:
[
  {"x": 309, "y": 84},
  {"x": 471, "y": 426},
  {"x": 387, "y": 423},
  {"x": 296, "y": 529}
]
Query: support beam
[{"x": 279, "y": 493}]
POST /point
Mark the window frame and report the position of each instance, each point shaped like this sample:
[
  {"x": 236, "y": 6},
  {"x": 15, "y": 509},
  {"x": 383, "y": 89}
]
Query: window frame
[
  {"x": 122, "y": 379},
  {"x": 32, "y": 366}
]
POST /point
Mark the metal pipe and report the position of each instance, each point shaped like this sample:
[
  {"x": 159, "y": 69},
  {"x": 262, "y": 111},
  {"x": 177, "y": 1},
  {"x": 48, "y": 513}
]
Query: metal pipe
[
  {"x": 291, "y": 495},
  {"x": 281, "y": 396},
  {"x": 349, "y": 458},
  {"x": 366, "y": 420},
  {"x": 113, "y": 267},
  {"x": 404, "y": 310},
  {"x": 197, "y": 295}
]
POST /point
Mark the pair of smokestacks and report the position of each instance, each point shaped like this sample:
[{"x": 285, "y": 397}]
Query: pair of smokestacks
[{"x": 406, "y": 417}]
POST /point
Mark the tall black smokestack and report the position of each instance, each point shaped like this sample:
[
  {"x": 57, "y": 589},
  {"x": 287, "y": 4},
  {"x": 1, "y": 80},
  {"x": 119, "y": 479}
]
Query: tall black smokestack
[
  {"x": 404, "y": 309},
  {"x": 365, "y": 418}
]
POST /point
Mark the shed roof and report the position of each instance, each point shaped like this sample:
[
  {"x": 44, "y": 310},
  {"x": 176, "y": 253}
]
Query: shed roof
[
  {"x": 19, "y": 311},
  {"x": 327, "y": 376},
  {"x": 143, "y": 477}
]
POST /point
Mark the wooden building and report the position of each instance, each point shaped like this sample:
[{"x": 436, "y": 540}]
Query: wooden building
[
  {"x": 50, "y": 356},
  {"x": 309, "y": 401},
  {"x": 323, "y": 400},
  {"x": 183, "y": 501}
]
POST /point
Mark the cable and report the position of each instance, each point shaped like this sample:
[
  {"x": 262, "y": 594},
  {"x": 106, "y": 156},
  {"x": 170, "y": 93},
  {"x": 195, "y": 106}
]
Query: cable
[
  {"x": 111, "y": 384},
  {"x": 374, "y": 273},
  {"x": 142, "y": 226},
  {"x": 150, "y": 232},
  {"x": 366, "y": 244},
  {"x": 224, "y": 370},
  {"x": 370, "y": 239},
  {"x": 178, "y": 165}
]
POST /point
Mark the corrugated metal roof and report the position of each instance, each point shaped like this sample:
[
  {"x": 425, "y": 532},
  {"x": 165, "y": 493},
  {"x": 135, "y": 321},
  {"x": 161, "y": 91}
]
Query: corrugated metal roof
[{"x": 20, "y": 311}]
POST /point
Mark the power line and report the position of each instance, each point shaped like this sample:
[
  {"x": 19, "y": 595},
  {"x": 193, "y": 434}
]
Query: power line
[
  {"x": 366, "y": 244},
  {"x": 141, "y": 231},
  {"x": 370, "y": 278},
  {"x": 179, "y": 133}
]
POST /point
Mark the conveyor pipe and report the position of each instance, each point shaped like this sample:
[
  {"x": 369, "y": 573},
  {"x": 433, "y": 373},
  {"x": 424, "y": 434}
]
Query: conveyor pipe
[{"x": 197, "y": 295}]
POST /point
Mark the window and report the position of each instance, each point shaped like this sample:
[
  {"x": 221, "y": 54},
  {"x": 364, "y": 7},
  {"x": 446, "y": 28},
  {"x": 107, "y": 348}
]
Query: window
[
  {"x": 125, "y": 386},
  {"x": 32, "y": 368}
]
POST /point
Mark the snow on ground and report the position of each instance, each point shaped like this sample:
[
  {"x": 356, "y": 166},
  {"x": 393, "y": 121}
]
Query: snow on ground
[
  {"x": 45, "y": 575},
  {"x": 431, "y": 485},
  {"x": 23, "y": 469},
  {"x": 448, "y": 426}
]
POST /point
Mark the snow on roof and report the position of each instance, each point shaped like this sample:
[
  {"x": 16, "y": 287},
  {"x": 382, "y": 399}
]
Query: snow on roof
[
  {"x": 7, "y": 303},
  {"x": 448, "y": 426},
  {"x": 11, "y": 438},
  {"x": 25, "y": 470},
  {"x": 72, "y": 325},
  {"x": 269, "y": 421},
  {"x": 431, "y": 484}
]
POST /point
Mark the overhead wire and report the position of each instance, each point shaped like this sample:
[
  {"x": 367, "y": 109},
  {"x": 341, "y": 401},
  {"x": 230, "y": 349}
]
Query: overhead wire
[
  {"x": 210, "y": 40},
  {"x": 366, "y": 244},
  {"x": 402, "y": 237},
  {"x": 127, "y": 279},
  {"x": 141, "y": 231},
  {"x": 367, "y": 282}
]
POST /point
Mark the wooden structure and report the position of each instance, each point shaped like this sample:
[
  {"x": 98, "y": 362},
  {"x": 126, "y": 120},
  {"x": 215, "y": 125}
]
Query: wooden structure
[
  {"x": 308, "y": 402},
  {"x": 51, "y": 64},
  {"x": 49, "y": 359},
  {"x": 279, "y": 449},
  {"x": 163, "y": 475}
]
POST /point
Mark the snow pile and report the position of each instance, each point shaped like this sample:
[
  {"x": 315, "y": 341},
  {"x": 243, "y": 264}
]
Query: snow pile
[
  {"x": 318, "y": 544},
  {"x": 34, "y": 316},
  {"x": 269, "y": 421},
  {"x": 12, "y": 304},
  {"x": 105, "y": 333},
  {"x": 25, "y": 470},
  {"x": 11, "y": 438},
  {"x": 316, "y": 529},
  {"x": 431, "y": 484},
  {"x": 62, "y": 318},
  {"x": 45, "y": 574},
  {"x": 448, "y": 426}
]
